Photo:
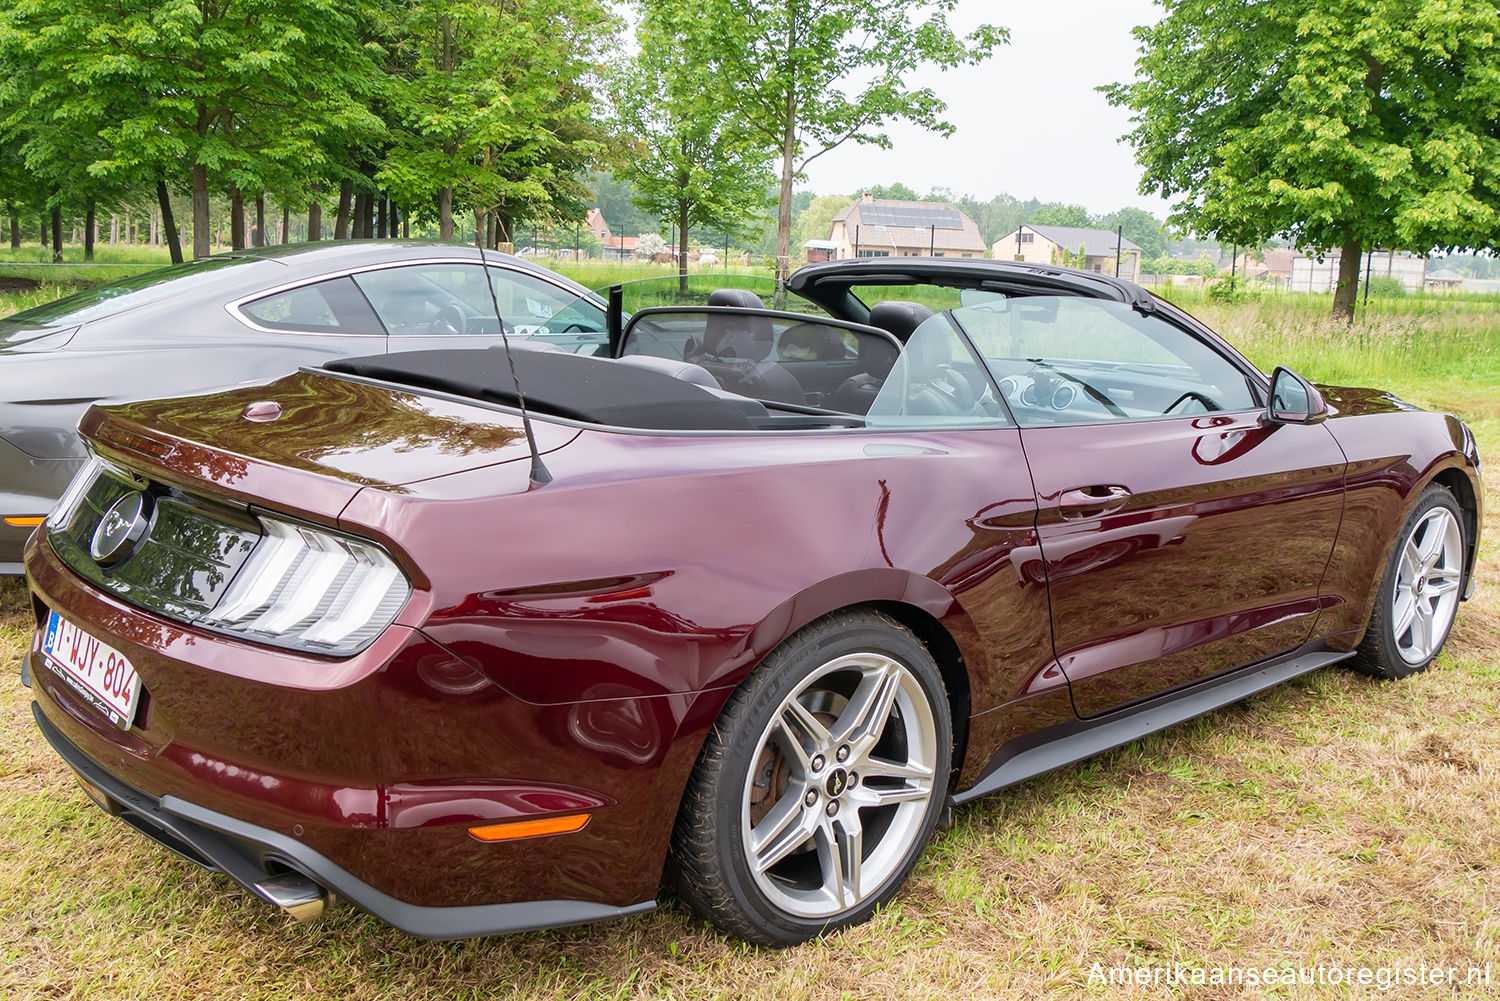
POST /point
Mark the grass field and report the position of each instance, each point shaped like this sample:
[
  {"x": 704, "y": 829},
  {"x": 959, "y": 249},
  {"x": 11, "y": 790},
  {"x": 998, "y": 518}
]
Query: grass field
[{"x": 1334, "y": 822}]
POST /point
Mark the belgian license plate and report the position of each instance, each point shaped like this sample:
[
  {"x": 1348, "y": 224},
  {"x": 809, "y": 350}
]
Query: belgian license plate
[{"x": 96, "y": 671}]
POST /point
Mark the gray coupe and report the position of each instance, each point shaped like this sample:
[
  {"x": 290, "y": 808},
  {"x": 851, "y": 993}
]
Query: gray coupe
[{"x": 241, "y": 318}]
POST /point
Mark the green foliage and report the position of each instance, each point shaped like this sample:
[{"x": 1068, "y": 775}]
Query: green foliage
[
  {"x": 692, "y": 162},
  {"x": 493, "y": 106},
  {"x": 1061, "y": 215},
  {"x": 894, "y": 192},
  {"x": 1386, "y": 287},
  {"x": 811, "y": 77},
  {"x": 816, "y": 221},
  {"x": 1353, "y": 124},
  {"x": 1141, "y": 227},
  {"x": 115, "y": 93},
  {"x": 615, "y": 198},
  {"x": 1227, "y": 289}
]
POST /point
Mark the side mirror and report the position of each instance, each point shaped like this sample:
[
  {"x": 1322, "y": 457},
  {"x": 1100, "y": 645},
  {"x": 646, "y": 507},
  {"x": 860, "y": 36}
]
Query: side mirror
[{"x": 1293, "y": 399}]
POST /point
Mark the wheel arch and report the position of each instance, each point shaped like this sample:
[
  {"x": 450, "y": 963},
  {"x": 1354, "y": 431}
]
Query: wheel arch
[
  {"x": 1456, "y": 481},
  {"x": 918, "y": 603}
]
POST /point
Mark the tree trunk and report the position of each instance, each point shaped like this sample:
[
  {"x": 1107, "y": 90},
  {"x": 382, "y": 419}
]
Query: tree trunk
[
  {"x": 260, "y": 221},
  {"x": 445, "y": 215},
  {"x": 202, "y": 228},
  {"x": 405, "y": 226},
  {"x": 363, "y": 203},
  {"x": 88, "y": 231},
  {"x": 236, "y": 218},
  {"x": 341, "y": 223},
  {"x": 286, "y": 223},
  {"x": 56, "y": 234},
  {"x": 315, "y": 214},
  {"x": 1344, "y": 292},
  {"x": 15, "y": 230},
  {"x": 382, "y": 210},
  {"x": 43, "y": 230},
  {"x": 168, "y": 224},
  {"x": 784, "y": 209},
  {"x": 682, "y": 245}
]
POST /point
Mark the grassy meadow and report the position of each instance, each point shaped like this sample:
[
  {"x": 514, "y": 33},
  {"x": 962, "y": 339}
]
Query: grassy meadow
[{"x": 1334, "y": 822}]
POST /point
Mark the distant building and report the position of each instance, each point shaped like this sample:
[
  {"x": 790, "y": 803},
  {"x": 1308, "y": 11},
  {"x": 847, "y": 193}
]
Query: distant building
[
  {"x": 820, "y": 250},
  {"x": 882, "y": 227},
  {"x": 1443, "y": 280},
  {"x": 615, "y": 248},
  {"x": 1320, "y": 274},
  {"x": 596, "y": 224},
  {"x": 1045, "y": 244},
  {"x": 1274, "y": 265}
]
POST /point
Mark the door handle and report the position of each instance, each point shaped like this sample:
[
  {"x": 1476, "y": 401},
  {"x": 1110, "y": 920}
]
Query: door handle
[{"x": 1092, "y": 501}]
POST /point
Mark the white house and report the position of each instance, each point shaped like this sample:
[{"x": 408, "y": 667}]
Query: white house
[{"x": 1046, "y": 244}]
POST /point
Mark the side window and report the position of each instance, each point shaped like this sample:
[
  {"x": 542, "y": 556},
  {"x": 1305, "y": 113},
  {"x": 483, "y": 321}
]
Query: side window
[
  {"x": 456, "y": 299},
  {"x": 1068, "y": 360},
  {"x": 935, "y": 382},
  {"x": 331, "y": 307}
]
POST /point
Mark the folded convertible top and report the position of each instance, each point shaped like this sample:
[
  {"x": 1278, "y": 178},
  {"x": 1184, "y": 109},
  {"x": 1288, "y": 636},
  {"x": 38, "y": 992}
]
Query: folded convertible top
[{"x": 595, "y": 390}]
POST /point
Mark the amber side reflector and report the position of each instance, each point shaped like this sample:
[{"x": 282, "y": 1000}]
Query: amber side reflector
[
  {"x": 530, "y": 828},
  {"x": 25, "y": 522}
]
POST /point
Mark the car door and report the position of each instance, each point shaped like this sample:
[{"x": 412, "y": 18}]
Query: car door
[
  {"x": 453, "y": 304},
  {"x": 1182, "y": 534}
]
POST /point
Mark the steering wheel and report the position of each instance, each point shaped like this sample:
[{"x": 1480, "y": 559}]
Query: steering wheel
[
  {"x": 1192, "y": 394},
  {"x": 956, "y": 386},
  {"x": 451, "y": 319}
]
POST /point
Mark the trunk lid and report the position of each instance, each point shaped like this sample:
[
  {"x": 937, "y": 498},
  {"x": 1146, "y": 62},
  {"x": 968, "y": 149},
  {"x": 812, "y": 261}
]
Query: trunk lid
[{"x": 315, "y": 431}]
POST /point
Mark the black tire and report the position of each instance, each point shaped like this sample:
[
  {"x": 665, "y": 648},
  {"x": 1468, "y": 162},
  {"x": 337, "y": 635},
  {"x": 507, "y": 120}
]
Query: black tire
[
  {"x": 710, "y": 864},
  {"x": 1382, "y": 653}
]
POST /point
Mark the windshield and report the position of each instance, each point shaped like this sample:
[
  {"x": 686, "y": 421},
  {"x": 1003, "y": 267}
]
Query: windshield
[
  {"x": 579, "y": 327},
  {"x": 106, "y": 300}
]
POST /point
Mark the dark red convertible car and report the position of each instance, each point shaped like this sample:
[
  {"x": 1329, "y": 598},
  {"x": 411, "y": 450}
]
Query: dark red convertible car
[{"x": 755, "y": 601}]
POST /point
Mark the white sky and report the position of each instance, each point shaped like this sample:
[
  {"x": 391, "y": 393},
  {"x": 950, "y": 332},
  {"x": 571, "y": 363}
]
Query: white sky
[{"x": 1029, "y": 120}]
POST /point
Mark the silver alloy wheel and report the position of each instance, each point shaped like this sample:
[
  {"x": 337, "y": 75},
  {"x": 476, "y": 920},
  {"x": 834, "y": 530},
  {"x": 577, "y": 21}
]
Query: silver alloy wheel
[
  {"x": 839, "y": 786},
  {"x": 1425, "y": 597}
]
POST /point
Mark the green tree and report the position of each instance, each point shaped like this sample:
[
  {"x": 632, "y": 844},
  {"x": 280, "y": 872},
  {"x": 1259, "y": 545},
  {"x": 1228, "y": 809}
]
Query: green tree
[
  {"x": 895, "y": 192},
  {"x": 692, "y": 164},
  {"x": 1057, "y": 214},
  {"x": 494, "y": 109},
  {"x": 816, "y": 221},
  {"x": 1340, "y": 125},
  {"x": 810, "y": 77},
  {"x": 241, "y": 88},
  {"x": 1141, "y": 227}
]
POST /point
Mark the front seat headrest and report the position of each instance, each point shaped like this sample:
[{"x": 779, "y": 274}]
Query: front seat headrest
[
  {"x": 743, "y": 298},
  {"x": 900, "y": 318}
]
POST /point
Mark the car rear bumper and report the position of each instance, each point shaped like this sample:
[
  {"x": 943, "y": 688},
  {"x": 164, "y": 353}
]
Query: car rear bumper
[
  {"x": 365, "y": 775},
  {"x": 253, "y": 856}
]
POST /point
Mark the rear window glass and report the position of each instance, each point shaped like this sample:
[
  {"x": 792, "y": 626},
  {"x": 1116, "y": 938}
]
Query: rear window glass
[{"x": 330, "y": 307}]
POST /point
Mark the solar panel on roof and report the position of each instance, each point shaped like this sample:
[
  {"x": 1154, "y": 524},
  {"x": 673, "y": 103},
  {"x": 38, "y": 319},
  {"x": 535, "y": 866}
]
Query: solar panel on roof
[{"x": 913, "y": 216}]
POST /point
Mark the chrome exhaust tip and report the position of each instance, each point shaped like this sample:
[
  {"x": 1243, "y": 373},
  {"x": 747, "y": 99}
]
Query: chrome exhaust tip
[{"x": 295, "y": 894}]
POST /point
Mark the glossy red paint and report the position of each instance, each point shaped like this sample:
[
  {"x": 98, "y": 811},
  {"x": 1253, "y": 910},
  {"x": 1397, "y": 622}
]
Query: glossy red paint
[
  {"x": 567, "y": 648},
  {"x": 1211, "y": 558}
]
